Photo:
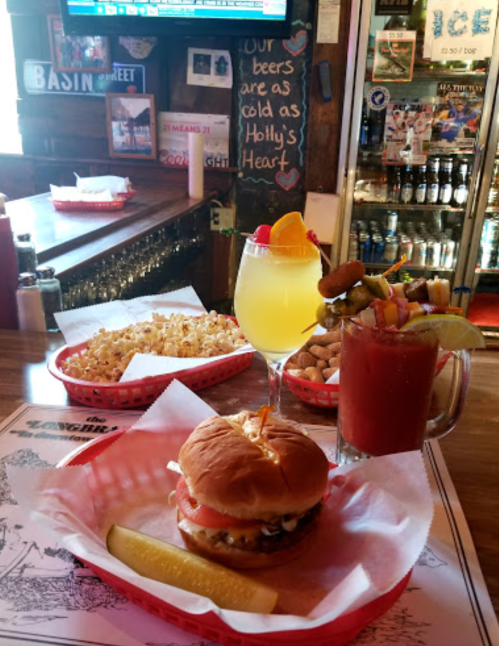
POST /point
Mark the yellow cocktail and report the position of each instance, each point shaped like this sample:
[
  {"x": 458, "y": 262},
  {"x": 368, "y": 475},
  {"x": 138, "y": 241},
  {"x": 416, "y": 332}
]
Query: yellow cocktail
[
  {"x": 276, "y": 295},
  {"x": 277, "y": 298}
]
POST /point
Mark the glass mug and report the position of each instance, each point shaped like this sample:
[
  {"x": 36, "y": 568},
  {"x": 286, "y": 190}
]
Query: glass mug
[{"x": 386, "y": 383}]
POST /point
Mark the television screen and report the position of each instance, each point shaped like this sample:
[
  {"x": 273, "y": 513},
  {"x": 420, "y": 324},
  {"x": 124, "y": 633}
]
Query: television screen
[{"x": 183, "y": 17}]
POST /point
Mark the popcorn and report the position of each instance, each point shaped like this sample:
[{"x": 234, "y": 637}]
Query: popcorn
[{"x": 109, "y": 352}]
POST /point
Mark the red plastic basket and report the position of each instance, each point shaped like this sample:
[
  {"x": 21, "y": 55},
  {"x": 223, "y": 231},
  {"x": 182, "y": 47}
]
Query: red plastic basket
[
  {"x": 209, "y": 625},
  {"x": 321, "y": 395},
  {"x": 115, "y": 205},
  {"x": 141, "y": 392},
  {"x": 327, "y": 395},
  {"x": 129, "y": 195}
]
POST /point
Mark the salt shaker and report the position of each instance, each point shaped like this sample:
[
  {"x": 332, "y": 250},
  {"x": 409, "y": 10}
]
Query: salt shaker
[
  {"x": 26, "y": 253},
  {"x": 29, "y": 304},
  {"x": 50, "y": 287}
]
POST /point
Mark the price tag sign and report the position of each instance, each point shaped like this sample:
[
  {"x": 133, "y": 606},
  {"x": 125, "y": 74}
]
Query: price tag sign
[{"x": 460, "y": 30}]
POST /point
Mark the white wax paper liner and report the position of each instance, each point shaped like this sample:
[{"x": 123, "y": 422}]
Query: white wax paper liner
[
  {"x": 373, "y": 527},
  {"x": 79, "y": 325}
]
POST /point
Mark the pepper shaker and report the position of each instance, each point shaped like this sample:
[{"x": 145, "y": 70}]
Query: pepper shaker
[
  {"x": 26, "y": 253},
  {"x": 50, "y": 287}
]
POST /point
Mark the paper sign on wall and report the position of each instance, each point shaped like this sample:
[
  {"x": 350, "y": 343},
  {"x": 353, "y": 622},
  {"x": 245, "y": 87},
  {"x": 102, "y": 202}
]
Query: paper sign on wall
[
  {"x": 173, "y": 135},
  {"x": 460, "y": 29},
  {"x": 394, "y": 55},
  {"x": 209, "y": 67},
  {"x": 328, "y": 21}
]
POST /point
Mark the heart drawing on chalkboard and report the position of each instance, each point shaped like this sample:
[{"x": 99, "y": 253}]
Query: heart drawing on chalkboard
[
  {"x": 287, "y": 180},
  {"x": 297, "y": 43}
]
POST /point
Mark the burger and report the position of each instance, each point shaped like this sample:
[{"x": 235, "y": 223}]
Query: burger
[{"x": 251, "y": 490}]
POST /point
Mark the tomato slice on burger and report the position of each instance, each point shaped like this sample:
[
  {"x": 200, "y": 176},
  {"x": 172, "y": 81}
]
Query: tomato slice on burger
[{"x": 202, "y": 514}]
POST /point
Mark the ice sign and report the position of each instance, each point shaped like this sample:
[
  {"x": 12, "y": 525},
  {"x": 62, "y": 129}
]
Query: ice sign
[{"x": 459, "y": 30}]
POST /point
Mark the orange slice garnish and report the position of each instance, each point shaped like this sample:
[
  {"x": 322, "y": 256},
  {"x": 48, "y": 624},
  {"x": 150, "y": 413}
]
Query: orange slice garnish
[{"x": 290, "y": 231}]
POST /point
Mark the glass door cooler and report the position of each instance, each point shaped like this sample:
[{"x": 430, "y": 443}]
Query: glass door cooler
[
  {"x": 480, "y": 297},
  {"x": 415, "y": 129}
]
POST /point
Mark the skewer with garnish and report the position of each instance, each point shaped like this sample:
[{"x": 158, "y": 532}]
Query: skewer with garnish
[{"x": 344, "y": 279}]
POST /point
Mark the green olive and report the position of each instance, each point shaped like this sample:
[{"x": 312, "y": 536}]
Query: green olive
[{"x": 327, "y": 316}]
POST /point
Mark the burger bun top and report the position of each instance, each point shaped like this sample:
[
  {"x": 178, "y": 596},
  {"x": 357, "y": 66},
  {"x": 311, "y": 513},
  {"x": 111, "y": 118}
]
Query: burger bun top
[{"x": 232, "y": 466}]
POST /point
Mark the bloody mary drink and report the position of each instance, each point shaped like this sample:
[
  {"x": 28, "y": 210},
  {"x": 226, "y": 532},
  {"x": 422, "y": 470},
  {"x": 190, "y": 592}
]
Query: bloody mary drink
[{"x": 386, "y": 383}]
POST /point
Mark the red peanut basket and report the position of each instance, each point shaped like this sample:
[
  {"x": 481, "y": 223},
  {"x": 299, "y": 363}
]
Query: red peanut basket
[
  {"x": 326, "y": 395},
  {"x": 321, "y": 395},
  {"x": 141, "y": 392}
]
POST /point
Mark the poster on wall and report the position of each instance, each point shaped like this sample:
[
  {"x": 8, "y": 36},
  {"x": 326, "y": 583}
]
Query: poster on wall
[
  {"x": 174, "y": 128},
  {"x": 77, "y": 53},
  {"x": 394, "y": 55},
  {"x": 407, "y": 133},
  {"x": 131, "y": 125},
  {"x": 209, "y": 67},
  {"x": 460, "y": 29},
  {"x": 457, "y": 115}
]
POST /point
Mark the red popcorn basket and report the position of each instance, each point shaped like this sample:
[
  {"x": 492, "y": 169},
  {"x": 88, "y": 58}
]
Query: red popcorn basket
[
  {"x": 141, "y": 392},
  {"x": 115, "y": 205},
  {"x": 209, "y": 625},
  {"x": 326, "y": 395}
]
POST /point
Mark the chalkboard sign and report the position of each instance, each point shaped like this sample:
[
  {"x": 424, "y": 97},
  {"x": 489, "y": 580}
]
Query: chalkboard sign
[{"x": 272, "y": 82}]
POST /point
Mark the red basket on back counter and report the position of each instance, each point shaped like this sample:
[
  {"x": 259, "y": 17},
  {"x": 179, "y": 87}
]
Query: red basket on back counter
[
  {"x": 115, "y": 205},
  {"x": 141, "y": 392}
]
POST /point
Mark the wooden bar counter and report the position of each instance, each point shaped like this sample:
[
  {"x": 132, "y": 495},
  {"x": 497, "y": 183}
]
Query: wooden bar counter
[
  {"x": 73, "y": 239},
  {"x": 471, "y": 451}
]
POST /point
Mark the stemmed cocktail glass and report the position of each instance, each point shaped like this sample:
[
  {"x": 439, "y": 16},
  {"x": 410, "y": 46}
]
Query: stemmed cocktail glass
[{"x": 276, "y": 299}]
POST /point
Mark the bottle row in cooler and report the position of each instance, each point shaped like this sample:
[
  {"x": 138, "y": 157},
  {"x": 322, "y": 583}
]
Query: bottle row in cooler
[
  {"x": 442, "y": 181},
  {"x": 425, "y": 248},
  {"x": 489, "y": 244}
]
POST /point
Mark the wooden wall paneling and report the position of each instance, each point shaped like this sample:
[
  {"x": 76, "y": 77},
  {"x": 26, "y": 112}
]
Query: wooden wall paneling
[
  {"x": 194, "y": 98},
  {"x": 324, "y": 119},
  {"x": 16, "y": 176}
]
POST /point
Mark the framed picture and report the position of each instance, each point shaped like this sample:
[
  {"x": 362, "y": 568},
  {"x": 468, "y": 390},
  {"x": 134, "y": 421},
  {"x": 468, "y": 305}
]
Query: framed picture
[
  {"x": 77, "y": 53},
  {"x": 131, "y": 125}
]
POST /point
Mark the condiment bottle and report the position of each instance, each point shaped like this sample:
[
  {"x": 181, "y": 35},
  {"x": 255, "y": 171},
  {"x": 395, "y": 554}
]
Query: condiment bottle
[
  {"x": 50, "y": 287},
  {"x": 8, "y": 273},
  {"x": 26, "y": 253},
  {"x": 29, "y": 304}
]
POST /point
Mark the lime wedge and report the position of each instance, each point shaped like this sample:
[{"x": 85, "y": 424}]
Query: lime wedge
[
  {"x": 167, "y": 563},
  {"x": 453, "y": 332}
]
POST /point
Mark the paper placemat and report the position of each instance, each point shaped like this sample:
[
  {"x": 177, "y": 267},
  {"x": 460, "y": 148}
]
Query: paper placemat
[{"x": 46, "y": 596}]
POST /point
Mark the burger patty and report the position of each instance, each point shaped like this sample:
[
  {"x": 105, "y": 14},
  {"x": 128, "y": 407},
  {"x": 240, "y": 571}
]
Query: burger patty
[{"x": 257, "y": 541}]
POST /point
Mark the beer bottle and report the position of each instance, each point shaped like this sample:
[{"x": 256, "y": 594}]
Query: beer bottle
[
  {"x": 460, "y": 185},
  {"x": 364, "y": 127},
  {"x": 420, "y": 192},
  {"x": 396, "y": 185},
  {"x": 407, "y": 192},
  {"x": 433, "y": 183},
  {"x": 445, "y": 194},
  {"x": 494, "y": 187}
]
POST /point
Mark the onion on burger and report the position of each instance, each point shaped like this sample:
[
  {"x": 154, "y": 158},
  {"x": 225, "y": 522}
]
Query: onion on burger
[{"x": 251, "y": 490}]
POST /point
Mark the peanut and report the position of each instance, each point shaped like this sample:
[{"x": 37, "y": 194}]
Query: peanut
[
  {"x": 325, "y": 339},
  {"x": 305, "y": 360},
  {"x": 320, "y": 352},
  {"x": 314, "y": 374}
]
